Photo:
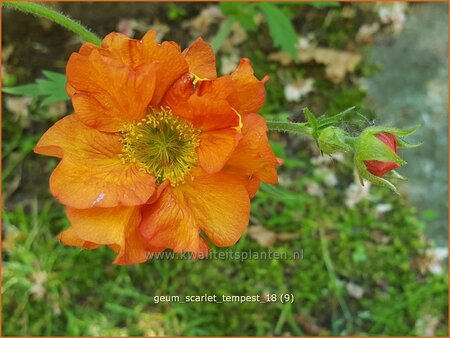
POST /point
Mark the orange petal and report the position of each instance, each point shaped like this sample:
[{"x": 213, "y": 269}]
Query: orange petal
[
  {"x": 123, "y": 48},
  {"x": 172, "y": 64},
  {"x": 158, "y": 192},
  {"x": 220, "y": 205},
  {"x": 93, "y": 67},
  {"x": 253, "y": 159},
  {"x": 216, "y": 148},
  {"x": 220, "y": 88},
  {"x": 207, "y": 113},
  {"x": 110, "y": 93},
  {"x": 91, "y": 172},
  {"x": 249, "y": 94},
  {"x": 179, "y": 92},
  {"x": 117, "y": 227},
  {"x": 251, "y": 183},
  {"x": 219, "y": 124},
  {"x": 201, "y": 59},
  {"x": 69, "y": 237},
  {"x": 168, "y": 223},
  {"x": 87, "y": 48},
  {"x": 241, "y": 89},
  {"x": 203, "y": 249}
]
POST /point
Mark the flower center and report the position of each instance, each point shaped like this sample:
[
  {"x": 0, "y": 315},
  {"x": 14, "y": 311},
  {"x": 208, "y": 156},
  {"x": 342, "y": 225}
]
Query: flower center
[{"x": 161, "y": 144}]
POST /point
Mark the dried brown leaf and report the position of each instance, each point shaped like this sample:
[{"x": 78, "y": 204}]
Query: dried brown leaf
[
  {"x": 267, "y": 238},
  {"x": 337, "y": 63},
  {"x": 262, "y": 235}
]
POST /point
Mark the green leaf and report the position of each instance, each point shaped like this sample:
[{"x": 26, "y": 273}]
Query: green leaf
[
  {"x": 25, "y": 90},
  {"x": 224, "y": 31},
  {"x": 281, "y": 29},
  {"x": 52, "y": 88},
  {"x": 244, "y": 13}
]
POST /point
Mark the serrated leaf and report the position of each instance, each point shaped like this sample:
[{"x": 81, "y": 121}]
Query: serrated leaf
[
  {"x": 52, "y": 88},
  {"x": 25, "y": 90},
  {"x": 281, "y": 29}
]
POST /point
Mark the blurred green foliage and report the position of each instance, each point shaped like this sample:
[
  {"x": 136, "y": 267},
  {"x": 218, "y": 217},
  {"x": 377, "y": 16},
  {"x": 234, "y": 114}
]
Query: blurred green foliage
[{"x": 280, "y": 27}]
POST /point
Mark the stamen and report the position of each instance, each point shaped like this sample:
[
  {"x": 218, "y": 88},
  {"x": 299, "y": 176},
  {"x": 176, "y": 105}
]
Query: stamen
[{"x": 161, "y": 144}]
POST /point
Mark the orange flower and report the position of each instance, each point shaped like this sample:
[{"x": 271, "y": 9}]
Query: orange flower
[{"x": 160, "y": 153}]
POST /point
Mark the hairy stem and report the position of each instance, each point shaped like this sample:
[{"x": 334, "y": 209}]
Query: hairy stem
[
  {"x": 52, "y": 15},
  {"x": 290, "y": 127}
]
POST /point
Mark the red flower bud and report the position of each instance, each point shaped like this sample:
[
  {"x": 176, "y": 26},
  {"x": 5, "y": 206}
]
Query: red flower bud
[{"x": 379, "y": 168}]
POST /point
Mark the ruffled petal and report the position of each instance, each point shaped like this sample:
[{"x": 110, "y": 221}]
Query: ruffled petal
[
  {"x": 91, "y": 172},
  {"x": 249, "y": 94},
  {"x": 241, "y": 89},
  {"x": 134, "y": 53},
  {"x": 172, "y": 64},
  {"x": 219, "y": 124},
  {"x": 168, "y": 223},
  {"x": 216, "y": 204},
  {"x": 220, "y": 88},
  {"x": 122, "y": 78},
  {"x": 220, "y": 205},
  {"x": 179, "y": 92},
  {"x": 207, "y": 113},
  {"x": 106, "y": 93},
  {"x": 216, "y": 148},
  {"x": 69, "y": 237},
  {"x": 201, "y": 59},
  {"x": 253, "y": 160},
  {"x": 124, "y": 49},
  {"x": 116, "y": 227}
]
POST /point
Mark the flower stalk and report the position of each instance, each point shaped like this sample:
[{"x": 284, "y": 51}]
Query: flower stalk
[
  {"x": 374, "y": 150},
  {"x": 290, "y": 127},
  {"x": 57, "y": 17}
]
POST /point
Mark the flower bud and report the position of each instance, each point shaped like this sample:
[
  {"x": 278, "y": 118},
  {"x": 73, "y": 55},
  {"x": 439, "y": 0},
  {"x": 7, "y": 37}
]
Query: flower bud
[
  {"x": 332, "y": 140},
  {"x": 376, "y": 155},
  {"x": 380, "y": 168}
]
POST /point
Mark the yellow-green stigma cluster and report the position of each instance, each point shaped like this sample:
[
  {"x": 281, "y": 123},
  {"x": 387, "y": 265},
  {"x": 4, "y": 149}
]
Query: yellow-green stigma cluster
[{"x": 161, "y": 144}]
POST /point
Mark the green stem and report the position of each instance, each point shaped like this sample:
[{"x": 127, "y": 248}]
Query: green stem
[
  {"x": 52, "y": 15},
  {"x": 291, "y": 127}
]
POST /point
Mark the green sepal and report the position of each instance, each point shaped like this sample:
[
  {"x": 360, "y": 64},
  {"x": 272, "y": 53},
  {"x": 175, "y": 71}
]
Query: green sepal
[
  {"x": 401, "y": 143},
  {"x": 394, "y": 174},
  {"x": 324, "y": 122},
  {"x": 371, "y": 148},
  {"x": 391, "y": 130},
  {"x": 312, "y": 121}
]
